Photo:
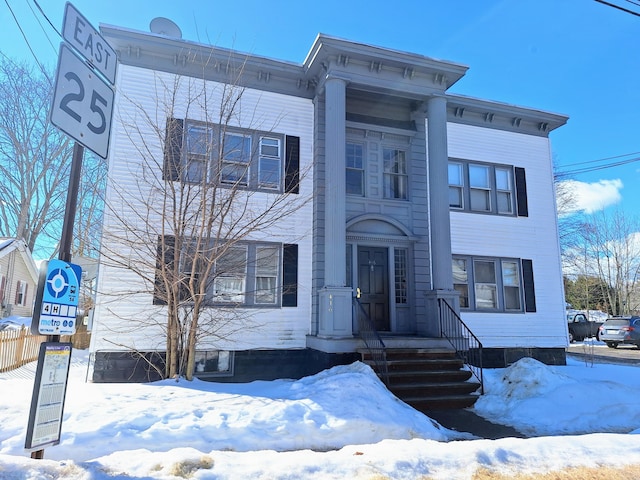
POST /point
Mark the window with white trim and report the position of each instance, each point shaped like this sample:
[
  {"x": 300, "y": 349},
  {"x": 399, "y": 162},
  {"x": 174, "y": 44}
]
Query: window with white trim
[
  {"x": 488, "y": 283},
  {"x": 400, "y": 264},
  {"x": 251, "y": 274},
  {"x": 267, "y": 261},
  {"x": 3, "y": 285},
  {"x": 199, "y": 139},
  {"x": 230, "y": 275},
  {"x": 242, "y": 274},
  {"x": 504, "y": 190},
  {"x": 456, "y": 185},
  {"x": 21, "y": 293},
  {"x": 355, "y": 169},
  {"x": 482, "y": 188},
  {"x": 396, "y": 179},
  {"x": 210, "y": 363},
  {"x": 269, "y": 164},
  {"x": 461, "y": 280},
  {"x": 234, "y": 157}
]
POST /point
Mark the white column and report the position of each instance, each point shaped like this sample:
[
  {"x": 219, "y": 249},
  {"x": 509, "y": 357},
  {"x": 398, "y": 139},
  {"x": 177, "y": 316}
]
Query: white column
[
  {"x": 335, "y": 299},
  {"x": 439, "y": 221},
  {"x": 335, "y": 189}
]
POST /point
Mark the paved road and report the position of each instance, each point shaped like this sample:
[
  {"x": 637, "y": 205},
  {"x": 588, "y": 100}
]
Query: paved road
[{"x": 599, "y": 352}]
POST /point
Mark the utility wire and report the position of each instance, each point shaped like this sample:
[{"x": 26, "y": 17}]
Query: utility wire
[
  {"x": 47, "y": 18},
  {"x": 619, "y": 7},
  {"x": 40, "y": 23},
  {"x": 15, "y": 19},
  {"x": 602, "y": 159},
  {"x": 601, "y": 167}
]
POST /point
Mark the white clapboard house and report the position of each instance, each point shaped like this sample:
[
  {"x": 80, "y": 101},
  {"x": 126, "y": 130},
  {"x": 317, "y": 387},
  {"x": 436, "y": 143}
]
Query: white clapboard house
[{"x": 412, "y": 207}]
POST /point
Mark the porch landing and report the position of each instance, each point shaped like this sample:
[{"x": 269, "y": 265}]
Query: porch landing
[{"x": 354, "y": 344}]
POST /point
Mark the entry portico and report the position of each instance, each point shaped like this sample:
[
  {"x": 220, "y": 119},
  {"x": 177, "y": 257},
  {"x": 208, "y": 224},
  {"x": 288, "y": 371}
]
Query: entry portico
[{"x": 375, "y": 108}]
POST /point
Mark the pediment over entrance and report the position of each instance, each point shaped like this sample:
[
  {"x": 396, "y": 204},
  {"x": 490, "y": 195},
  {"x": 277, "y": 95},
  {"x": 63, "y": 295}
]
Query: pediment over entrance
[{"x": 377, "y": 226}]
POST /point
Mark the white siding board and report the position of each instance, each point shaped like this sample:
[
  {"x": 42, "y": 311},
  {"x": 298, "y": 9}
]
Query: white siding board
[
  {"x": 534, "y": 237},
  {"x": 125, "y": 320}
]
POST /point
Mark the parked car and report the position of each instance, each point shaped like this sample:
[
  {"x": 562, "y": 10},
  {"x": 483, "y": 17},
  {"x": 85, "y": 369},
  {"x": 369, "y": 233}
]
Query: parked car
[
  {"x": 580, "y": 327},
  {"x": 14, "y": 322},
  {"x": 621, "y": 330}
]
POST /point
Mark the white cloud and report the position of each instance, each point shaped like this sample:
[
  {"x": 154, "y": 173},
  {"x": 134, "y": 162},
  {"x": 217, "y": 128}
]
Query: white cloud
[{"x": 591, "y": 197}]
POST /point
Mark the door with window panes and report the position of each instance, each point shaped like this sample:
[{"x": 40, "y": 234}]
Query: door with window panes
[{"x": 373, "y": 282}]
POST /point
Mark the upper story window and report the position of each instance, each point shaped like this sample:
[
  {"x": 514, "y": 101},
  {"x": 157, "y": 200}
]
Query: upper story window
[
  {"x": 486, "y": 188},
  {"x": 270, "y": 163},
  {"x": 198, "y": 152},
  {"x": 396, "y": 180},
  {"x": 504, "y": 190},
  {"x": 236, "y": 159},
  {"x": 355, "y": 169}
]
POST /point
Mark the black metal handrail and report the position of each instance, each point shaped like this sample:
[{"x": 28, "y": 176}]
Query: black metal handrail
[
  {"x": 371, "y": 338},
  {"x": 466, "y": 344}
]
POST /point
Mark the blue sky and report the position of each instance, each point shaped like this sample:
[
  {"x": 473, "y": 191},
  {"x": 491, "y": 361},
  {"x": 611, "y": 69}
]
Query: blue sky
[{"x": 574, "y": 57}]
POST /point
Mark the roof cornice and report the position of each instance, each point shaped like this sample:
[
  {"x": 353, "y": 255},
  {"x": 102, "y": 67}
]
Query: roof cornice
[
  {"x": 364, "y": 67},
  {"x": 503, "y": 116}
]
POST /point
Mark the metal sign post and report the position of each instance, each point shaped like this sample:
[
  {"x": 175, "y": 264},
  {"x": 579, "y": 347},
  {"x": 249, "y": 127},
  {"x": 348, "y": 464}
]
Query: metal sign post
[
  {"x": 47, "y": 401},
  {"x": 82, "y": 108}
]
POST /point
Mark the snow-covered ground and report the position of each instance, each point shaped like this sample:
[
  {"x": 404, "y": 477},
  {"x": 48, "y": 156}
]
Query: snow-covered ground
[{"x": 341, "y": 423}]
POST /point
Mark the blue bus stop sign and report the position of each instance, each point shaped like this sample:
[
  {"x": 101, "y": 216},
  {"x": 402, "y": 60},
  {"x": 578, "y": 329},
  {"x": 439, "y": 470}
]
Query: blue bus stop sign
[{"x": 57, "y": 298}]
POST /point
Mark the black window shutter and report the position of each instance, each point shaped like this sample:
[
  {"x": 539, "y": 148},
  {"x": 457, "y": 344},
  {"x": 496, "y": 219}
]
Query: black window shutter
[
  {"x": 290, "y": 275},
  {"x": 529, "y": 287},
  {"x": 292, "y": 165},
  {"x": 168, "y": 244},
  {"x": 172, "y": 149},
  {"x": 521, "y": 192}
]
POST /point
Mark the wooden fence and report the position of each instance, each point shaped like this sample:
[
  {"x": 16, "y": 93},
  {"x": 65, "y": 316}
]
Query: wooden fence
[{"x": 19, "y": 347}]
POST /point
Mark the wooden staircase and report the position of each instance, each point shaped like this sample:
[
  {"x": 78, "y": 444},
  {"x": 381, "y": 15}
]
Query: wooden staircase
[{"x": 428, "y": 378}]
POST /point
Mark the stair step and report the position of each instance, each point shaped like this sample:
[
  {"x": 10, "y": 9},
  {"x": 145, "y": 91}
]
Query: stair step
[
  {"x": 424, "y": 404},
  {"x": 433, "y": 389},
  {"x": 425, "y": 364},
  {"x": 428, "y": 376},
  {"x": 400, "y": 353},
  {"x": 428, "y": 379}
]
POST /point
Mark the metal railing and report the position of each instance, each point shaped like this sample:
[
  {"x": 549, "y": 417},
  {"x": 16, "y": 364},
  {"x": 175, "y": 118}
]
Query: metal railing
[
  {"x": 371, "y": 338},
  {"x": 466, "y": 344}
]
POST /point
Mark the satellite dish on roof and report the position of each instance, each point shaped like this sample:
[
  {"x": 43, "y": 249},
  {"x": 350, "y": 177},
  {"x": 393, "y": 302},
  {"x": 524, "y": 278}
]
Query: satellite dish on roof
[{"x": 164, "y": 26}]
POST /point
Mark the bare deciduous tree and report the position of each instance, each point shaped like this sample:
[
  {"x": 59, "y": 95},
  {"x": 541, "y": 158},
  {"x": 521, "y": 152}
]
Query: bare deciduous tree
[
  {"x": 35, "y": 160},
  {"x": 198, "y": 191},
  {"x": 612, "y": 245}
]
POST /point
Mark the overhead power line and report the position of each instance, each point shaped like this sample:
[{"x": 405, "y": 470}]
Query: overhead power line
[
  {"x": 40, "y": 23},
  {"x": 637, "y": 14},
  {"x": 602, "y": 159},
  {"x": 15, "y": 19},
  {"x": 577, "y": 171}
]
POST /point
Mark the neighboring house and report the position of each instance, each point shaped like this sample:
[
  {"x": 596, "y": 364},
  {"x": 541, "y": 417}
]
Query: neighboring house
[
  {"x": 414, "y": 196},
  {"x": 18, "y": 278}
]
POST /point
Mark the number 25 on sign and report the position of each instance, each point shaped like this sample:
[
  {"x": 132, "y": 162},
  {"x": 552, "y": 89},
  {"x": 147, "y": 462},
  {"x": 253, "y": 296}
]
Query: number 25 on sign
[{"x": 82, "y": 103}]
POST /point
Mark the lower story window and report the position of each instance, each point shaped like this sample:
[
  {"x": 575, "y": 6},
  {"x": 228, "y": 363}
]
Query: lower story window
[
  {"x": 239, "y": 274},
  {"x": 214, "y": 362},
  {"x": 21, "y": 293},
  {"x": 400, "y": 274},
  {"x": 488, "y": 284}
]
